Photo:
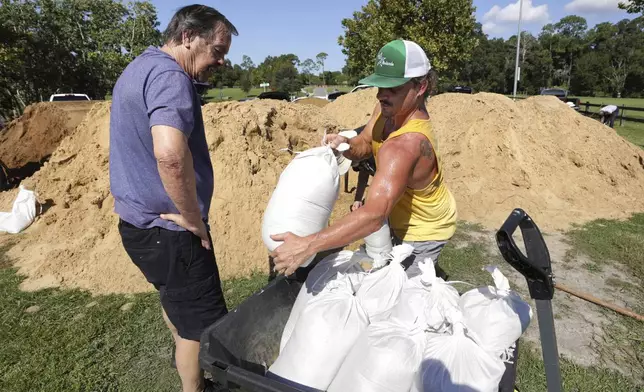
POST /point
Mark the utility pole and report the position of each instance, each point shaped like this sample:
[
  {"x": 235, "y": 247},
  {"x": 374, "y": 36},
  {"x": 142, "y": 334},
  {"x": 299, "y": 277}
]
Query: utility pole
[{"x": 517, "y": 70}]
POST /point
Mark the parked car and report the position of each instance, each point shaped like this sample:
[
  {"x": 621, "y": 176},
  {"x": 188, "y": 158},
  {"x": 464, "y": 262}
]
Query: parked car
[
  {"x": 280, "y": 95},
  {"x": 334, "y": 95},
  {"x": 68, "y": 97},
  {"x": 562, "y": 95},
  {"x": 462, "y": 90},
  {"x": 360, "y": 87}
]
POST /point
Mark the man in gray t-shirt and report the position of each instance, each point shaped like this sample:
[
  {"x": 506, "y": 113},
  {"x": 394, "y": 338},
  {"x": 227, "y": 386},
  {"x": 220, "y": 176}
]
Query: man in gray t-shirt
[{"x": 161, "y": 176}]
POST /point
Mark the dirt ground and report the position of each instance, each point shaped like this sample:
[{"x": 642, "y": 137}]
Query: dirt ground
[{"x": 583, "y": 329}]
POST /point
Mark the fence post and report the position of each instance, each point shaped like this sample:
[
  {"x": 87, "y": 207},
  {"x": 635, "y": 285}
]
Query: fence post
[
  {"x": 587, "y": 107},
  {"x": 621, "y": 117}
]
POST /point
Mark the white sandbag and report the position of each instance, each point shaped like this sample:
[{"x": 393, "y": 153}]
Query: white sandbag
[
  {"x": 379, "y": 242},
  {"x": 497, "y": 315},
  {"x": 380, "y": 291},
  {"x": 303, "y": 198},
  {"x": 384, "y": 359},
  {"x": 425, "y": 298},
  {"x": 323, "y": 336},
  {"x": 454, "y": 362},
  {"x": 22, "y": 215},
  {"x": 326, "y": 271}
]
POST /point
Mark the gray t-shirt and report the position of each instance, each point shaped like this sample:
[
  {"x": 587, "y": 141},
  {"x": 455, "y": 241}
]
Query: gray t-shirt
[{"x": 153, "y": 90}]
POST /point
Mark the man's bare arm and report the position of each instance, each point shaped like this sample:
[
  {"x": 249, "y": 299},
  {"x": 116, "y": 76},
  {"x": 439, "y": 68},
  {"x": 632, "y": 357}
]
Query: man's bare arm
[
  {"x": 398, "y": 158},
  {"x": 176, "y": 169}
]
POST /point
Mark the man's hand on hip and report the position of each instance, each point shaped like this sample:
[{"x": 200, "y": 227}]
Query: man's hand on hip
[
  {"x": 198, "y": 229},
  {"x": 292, "y": 253}
]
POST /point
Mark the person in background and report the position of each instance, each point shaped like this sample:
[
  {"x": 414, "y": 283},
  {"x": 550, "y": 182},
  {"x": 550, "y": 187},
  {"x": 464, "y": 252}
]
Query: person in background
[
  {"x": 162, "y": 181},
  {"x": 408, "y": 187},
  {"x": 608, "y": 114}
]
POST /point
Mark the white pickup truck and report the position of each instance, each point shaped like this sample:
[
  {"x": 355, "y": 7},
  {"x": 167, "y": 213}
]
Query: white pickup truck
[{"x": 68, "y": 97}]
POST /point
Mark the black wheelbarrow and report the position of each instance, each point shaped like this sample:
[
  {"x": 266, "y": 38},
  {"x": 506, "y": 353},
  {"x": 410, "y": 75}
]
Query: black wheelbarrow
[{"x": 239, "y": 348}]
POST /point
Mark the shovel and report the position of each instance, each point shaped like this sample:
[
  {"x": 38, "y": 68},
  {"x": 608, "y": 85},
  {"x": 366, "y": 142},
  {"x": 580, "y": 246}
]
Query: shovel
[{"x": 536, "y": 268}]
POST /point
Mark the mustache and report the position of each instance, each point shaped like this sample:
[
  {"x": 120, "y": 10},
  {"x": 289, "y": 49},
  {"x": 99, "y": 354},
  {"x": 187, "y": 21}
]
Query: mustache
[{"x": 385, "y": 102}]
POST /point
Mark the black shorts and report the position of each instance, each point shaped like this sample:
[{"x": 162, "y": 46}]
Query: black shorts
[{"x": 184, "y": 272}]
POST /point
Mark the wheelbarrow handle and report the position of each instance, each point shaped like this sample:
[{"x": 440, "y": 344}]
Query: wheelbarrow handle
[{"x": 536, "y": 265}]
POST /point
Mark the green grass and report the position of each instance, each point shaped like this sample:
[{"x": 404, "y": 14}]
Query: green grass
[
  {"x": 610, "y": 242},
  {"x": 67, "y": 346},
  {"x": 630, "y": 102},
  {"x": 620, "y": 241},
  {"x": 233, "y": 94},
  {"x": 531, "y": 376},
  {"x": 633, "y": 132}
]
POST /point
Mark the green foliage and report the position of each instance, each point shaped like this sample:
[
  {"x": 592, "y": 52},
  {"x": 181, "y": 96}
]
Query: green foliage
[
  {"x": 226, "y": 75},
  {"x": 53, "y": 46},
  {"x": 633, "y": 6},
  {"x": 606, "y": 59},
  {"x": 444, "y": 29}
]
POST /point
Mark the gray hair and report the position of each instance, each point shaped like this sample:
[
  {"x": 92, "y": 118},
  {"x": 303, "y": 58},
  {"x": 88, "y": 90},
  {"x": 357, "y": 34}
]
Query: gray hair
[{"x": 197, "y": 20}]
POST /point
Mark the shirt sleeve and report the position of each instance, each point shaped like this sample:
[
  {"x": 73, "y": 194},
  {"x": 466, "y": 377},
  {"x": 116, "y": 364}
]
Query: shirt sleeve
[{"x": 170, "y": 102}]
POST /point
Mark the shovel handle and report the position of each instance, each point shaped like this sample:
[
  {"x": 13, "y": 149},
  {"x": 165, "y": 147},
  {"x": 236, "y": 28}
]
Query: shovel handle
[
  {"x": 599, "y": 302},
  {"x": 535, "y": 266}
]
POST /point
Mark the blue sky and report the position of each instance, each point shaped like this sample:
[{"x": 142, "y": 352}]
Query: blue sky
[{"x": 306, "y": 28}]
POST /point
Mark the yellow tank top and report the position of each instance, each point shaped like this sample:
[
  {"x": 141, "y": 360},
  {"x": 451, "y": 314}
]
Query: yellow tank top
[{"x": 427, "y": 214}]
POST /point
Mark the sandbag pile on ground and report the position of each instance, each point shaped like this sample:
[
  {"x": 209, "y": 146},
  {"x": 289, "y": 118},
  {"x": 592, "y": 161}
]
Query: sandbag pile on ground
[{"x": 381, "y": 332}]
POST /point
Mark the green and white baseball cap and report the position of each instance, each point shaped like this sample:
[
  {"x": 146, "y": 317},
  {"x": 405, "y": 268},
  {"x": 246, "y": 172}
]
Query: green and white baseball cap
[{"x": 397, "y": 63}]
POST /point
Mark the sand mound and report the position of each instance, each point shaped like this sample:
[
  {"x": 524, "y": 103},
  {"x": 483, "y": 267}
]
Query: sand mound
[
  {"x": 76, "y": 242},
  {"x": 353, "y": 110},
  {"x": 319, "y": 102},
  {"x": 40, "y": 129},
  {"x": 538, "y": 154}
]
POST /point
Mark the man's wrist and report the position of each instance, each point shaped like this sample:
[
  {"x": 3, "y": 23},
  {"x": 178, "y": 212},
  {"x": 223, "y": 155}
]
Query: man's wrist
[{"x": 314, "y": 244}]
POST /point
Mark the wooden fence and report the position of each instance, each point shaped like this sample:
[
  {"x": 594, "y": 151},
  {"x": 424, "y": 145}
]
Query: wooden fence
[{"x": 584, "y": 108}]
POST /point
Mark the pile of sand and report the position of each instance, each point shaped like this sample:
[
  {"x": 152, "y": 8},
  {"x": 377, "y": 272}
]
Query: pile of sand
[
  {"x": 538, "y": 154},
  {"x": 319, "y": 102},
  {"x": 76, "y": 242},
  {"x": 40, "y": 129},
  {"x": 353, "y": 110}
]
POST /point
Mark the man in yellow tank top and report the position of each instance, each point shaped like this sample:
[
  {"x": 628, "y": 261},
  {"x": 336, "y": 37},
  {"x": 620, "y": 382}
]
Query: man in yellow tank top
[{"x": 408, "y": 187}]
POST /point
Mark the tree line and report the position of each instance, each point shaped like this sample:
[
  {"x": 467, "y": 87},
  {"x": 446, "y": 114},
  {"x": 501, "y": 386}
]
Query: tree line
[
  {"x": 607, "y": 59},
  {"x": 56, "y": 46},
  {"x": 52, "y": 46},
  {"x": 285, "y": 72}
]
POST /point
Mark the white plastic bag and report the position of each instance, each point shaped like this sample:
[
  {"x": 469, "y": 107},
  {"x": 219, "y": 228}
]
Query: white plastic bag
[
  {"x": 497, "y": 315},
  {"x": 326, "y": 271},
  {"x": 379, "y": 242},
  {"x": 304, "y": 196},
  {"x": 425, "y": 298},
  {"x": 323, "y": 336},
  {"x": 384, "y": 359},
  {"x": 22, "y": 215},
  {"x": 454, "y": 362},
  {"x": 380, "y": 291}
]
